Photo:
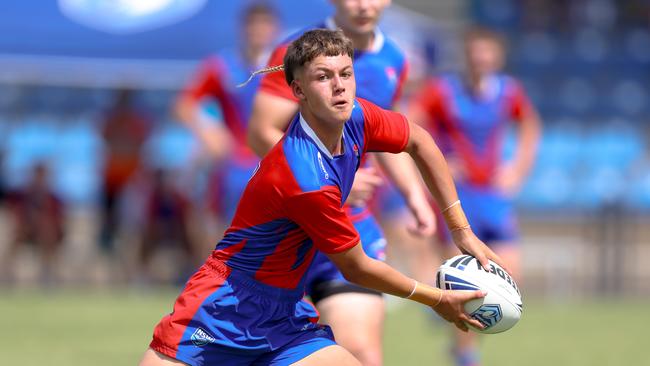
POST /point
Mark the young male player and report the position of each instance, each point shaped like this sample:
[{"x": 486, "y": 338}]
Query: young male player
[
  {"x": 469, "y": 115},
  {"x": 356, "y": 314},
  {"x": 216, "y": 80},
  {"x": 239, "y": 308}
]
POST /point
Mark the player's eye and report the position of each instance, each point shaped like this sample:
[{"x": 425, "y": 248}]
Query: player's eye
[
  {"x": 322, "y": 77},
  {"x": 346, "y": 74}
]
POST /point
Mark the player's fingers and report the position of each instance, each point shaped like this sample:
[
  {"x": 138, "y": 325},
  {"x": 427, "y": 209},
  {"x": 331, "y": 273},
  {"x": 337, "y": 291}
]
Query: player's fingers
[
  {"x": 496, "y": 259},
  {"x": 374, "y": 180},
  {"x": 482, "y": 258},
  {"x": 471, "y": 295},
  {"x": 473, "y": 322}
]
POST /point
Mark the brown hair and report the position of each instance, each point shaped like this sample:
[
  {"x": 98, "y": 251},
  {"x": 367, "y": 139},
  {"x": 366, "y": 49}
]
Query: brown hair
[
  {"x": 306, "y": 48},
  {"x": 317, "y": 42},
  {"x": 258, "y": 8}
]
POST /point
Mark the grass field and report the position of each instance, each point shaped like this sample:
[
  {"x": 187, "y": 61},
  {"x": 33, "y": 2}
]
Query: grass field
[{"x": 75, "y": 328}]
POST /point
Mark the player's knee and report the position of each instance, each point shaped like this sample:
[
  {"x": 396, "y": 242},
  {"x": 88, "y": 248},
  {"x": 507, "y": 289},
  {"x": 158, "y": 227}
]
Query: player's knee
[{"x": 365, "y": 351}]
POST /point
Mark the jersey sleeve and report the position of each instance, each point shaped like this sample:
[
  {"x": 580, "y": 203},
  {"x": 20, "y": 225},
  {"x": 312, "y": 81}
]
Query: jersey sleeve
[
  {"x": 384, "y": 130},
  {"x": 320, "y": 215},
  {"x": 206, "y": 82},
  {"x": 274, "y": 82},
  {"x": 520, "y": 105}
]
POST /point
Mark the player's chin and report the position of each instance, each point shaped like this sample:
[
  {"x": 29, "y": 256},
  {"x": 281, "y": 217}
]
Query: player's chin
[{"x": 342, "y": 113}]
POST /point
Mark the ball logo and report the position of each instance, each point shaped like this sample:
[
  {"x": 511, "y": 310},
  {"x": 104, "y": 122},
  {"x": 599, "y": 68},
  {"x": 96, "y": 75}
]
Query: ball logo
[
  {"x": 200, "y": 337},
  {"x": 488, "y": 315}
]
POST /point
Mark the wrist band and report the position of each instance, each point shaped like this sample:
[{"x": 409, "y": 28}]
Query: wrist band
[
  {"x": 439, "y": 299},
  {"x": 415, "y": 286},
  {"x": 455, "y": 217},
  {"x": 457, "y": 202},
  {"x": 460, "y": 228}
]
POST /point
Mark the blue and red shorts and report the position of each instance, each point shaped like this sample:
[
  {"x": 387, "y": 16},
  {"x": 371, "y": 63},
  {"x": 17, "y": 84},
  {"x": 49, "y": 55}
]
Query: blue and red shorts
[
  {"x": 225, "y": 317},
  {"x": 491, "y": 214}
]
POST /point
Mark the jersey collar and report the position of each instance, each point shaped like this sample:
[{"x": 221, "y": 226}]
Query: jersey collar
[
  {"x": 308, "y": 130},
  {"x": 377, "y": 43}
]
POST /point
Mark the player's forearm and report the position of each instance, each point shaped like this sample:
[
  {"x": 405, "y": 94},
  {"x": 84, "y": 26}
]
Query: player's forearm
[
  {"x": 213, "y": 136},
  {"x": 261, "y": 141},
  {"x": 528, "y": 142},
  {"x": 270, "y": 117},
  {"x": 432, "y": 166},
  {"x": 403, "y": 173},
  {"x": 379, "y": 276}
]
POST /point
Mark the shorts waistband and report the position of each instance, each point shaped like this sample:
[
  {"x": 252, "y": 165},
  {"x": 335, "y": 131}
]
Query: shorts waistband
[{"x": 245, "y": 280}]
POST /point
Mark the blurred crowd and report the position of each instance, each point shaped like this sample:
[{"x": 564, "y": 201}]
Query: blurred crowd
[{"x": 115, "y": 171}]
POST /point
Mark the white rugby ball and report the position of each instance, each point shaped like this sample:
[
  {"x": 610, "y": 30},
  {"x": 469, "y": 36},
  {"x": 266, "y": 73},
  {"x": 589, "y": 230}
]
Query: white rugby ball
[{"x": 500, "y": 309}]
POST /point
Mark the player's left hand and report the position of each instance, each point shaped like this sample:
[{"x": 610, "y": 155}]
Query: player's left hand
[
  {"x": 425, "y": 220},
  {"x": 508, "y": 179},
  {"x": 468, "y": 243}
]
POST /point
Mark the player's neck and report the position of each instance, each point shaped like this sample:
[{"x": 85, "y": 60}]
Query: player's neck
[
  {"x": 253, "y": 55},
  {"x": 476, "y": 82},
  {"x": 330, "y": 134}
]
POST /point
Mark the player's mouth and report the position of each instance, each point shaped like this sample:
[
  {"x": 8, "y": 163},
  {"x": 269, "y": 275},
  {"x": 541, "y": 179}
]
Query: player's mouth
[
  {"x": 363, "y": 21},
  {"x": 340, "y": 104}
]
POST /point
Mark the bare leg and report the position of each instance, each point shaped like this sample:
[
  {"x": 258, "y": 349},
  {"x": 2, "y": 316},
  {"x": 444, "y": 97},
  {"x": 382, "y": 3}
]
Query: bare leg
[
  {"x": 153, "y": 358},
  {"x": 357, "y": 321},
  {"x": 332, "y": 355}
]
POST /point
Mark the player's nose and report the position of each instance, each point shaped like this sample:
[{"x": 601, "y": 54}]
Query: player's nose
[{"x": 337, "y": 84}]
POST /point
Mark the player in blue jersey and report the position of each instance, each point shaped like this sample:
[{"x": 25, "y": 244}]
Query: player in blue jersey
[
  {"x": 469, "y": 115},
  {"x": 240, "y": 307},
  {"x": 217, "y": 81},
  {"x": 356, "y": 314}
]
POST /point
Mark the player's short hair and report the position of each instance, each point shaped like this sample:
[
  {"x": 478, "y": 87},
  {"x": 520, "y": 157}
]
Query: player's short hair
[
  {"x": 258, "y": 8},
  {"x": 314, "y": 43},
  {"x": 305, "y": 49},
  {"x": 482, "y": 33}
]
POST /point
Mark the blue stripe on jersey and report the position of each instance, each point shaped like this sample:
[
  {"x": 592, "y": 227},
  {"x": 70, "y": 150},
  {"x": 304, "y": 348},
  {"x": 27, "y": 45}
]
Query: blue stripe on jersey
[
  {"x": 259, "y": 243},
  {"x": 302, "y": 253}
]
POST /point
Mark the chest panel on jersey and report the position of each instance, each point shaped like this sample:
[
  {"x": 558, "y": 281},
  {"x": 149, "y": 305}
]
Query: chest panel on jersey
[
  {"x": 479, "y": 118},
  {"x": 377, "y": 76}
]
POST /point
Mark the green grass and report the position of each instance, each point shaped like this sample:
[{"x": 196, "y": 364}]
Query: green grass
[{"x": 74, "y": 328}]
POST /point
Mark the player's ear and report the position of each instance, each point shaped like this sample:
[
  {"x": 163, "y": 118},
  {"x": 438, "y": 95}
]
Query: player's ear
[{"x": 296, "y": 88}]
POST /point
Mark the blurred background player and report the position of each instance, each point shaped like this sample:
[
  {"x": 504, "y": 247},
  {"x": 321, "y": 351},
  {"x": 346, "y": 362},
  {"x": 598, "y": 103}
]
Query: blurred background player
[
  {"x": 38, "y": 219},
  {"x": 166, "y": 223},
  {"x": 356, "y": 314},
  {"x": 216, "y": 81},
  {"x": 469, "y": 114},
  {"x": 125, "y": 130}
]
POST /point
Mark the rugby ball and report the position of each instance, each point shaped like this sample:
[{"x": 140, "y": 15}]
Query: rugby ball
[{"x": 500, "y": 309}]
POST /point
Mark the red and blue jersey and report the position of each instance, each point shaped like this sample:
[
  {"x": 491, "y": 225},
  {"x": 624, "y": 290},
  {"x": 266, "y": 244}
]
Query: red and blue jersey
[
  {"x": 471, "y": 127},
  {"x": 380, "y": 73},
  {"x": 218, "y": 78},
  {"x": 293, "y": 203}
]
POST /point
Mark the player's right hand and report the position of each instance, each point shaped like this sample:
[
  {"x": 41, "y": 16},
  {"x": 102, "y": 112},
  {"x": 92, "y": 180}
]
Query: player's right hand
[
  {"x": 366, "y": 180},
  {"x": 451, "y": 308}
]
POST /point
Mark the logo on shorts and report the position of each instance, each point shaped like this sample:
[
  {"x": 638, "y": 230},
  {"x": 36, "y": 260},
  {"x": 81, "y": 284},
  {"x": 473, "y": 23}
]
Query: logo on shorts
[{"x": 200, "y": 337}]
